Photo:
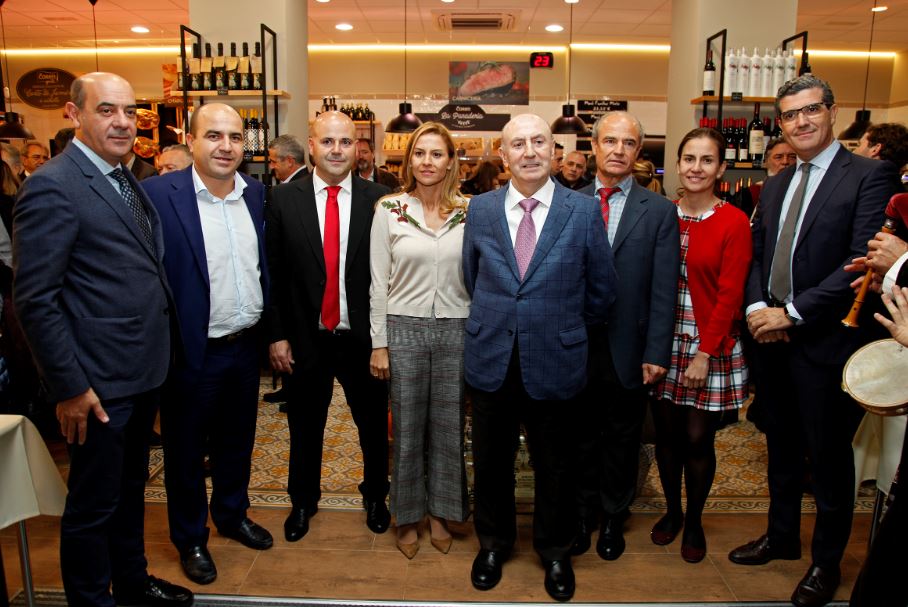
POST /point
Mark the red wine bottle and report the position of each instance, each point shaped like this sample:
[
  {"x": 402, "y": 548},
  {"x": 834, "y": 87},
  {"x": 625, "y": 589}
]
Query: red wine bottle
[{"x": 709, "y": 75}]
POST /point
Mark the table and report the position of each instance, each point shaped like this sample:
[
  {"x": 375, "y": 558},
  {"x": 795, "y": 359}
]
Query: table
[{"x": 30, "y": 485}]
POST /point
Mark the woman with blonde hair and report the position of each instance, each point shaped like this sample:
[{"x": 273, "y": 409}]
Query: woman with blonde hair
[
  {"x": 645, "y": 175},
  {"x": 419, "y": 306}
]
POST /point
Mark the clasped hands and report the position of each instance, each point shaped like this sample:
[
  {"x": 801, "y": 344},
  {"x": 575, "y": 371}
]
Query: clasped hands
[{"x": 769, "y": 325}]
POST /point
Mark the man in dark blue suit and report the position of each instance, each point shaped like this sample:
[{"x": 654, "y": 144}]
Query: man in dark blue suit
[
  {"x": 538, "y": 266},
  {"x": 817, "y": 216},
  {"x": 633, "y": 350},
  {"x": 212, "y": 218},
  {"x": 92, "y": 297}
]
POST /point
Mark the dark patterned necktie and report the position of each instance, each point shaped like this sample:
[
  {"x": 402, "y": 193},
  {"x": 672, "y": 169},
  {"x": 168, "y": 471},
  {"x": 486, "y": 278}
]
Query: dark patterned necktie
[{"x": 134, "y": 204}]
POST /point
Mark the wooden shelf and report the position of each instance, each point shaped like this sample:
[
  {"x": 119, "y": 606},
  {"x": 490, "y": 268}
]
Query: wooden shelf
[
  {"x": 713, "y": 98},
  {"x": 271, "y": 93},
  {"x": 366, "y": 123}
]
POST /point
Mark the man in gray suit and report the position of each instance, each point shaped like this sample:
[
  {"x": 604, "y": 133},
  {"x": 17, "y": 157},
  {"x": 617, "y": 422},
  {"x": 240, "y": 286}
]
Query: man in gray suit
[
  {"x": 633, "y": 349},
  {"x": 90, "y": 292}
]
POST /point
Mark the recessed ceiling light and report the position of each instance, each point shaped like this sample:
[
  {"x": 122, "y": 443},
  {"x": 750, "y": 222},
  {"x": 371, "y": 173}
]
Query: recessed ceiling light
[
  {"x": 571, "y": 1},
  {"x": 447, "y": 1},
  {"x": 879, "y": 9},
  {"x": 344, "y": 27},
  {"x": 139, "y": 29},
  {"x": 554, "y": 28},
  {"x": 323, "y": 1}
]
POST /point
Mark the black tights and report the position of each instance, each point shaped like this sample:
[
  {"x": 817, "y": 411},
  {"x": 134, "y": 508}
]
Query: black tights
[{"x": 685, "y": 438}]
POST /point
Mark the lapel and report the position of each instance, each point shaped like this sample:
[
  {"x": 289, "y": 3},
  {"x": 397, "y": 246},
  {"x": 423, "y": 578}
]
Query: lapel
[
  {"x": 501, "y": 231},
  {"x": 186, "y": 209},
  {"x": 359, "y": 219},
  {"x": 308, "y": 216},
  {"x": 634, "y": 209},
  {"x": 824, "y": 191},
  {"x": 555, "y": 221}
]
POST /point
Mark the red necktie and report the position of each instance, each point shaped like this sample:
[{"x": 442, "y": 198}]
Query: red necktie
[
  {"x": 331, "y": 240},
  {"x": 604, "y": 195}
]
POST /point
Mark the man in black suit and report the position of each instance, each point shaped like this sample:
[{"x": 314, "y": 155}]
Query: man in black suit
[
  {"x": 139, "y": 168},
  {"x": 317, "y": 235},
  {"x": 817, "y": 216},
  {"x": 365, "y": 166},
  {"x": 287, "y": 158},
  {"x": 91, "y": 294},
  {"x": 633, "y": 350}
]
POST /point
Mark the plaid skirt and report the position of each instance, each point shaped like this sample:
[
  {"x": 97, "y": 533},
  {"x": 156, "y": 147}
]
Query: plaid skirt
[{"x": 726, "y": 382}]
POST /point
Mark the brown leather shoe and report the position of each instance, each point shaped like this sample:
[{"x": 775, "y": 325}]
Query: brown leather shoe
[
  {"x": 761, "y": 551},
  {"x": 817, "y": 587}
]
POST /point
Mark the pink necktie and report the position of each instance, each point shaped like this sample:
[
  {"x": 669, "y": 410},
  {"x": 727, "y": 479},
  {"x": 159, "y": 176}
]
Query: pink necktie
[
  {"x": 331, "y": 243},
  {"x": 604, "y": 195},
  {"x": 526, "y": 236}
]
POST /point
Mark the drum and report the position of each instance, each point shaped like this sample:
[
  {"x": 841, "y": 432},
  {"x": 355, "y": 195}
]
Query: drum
[{"x": 876, "y": 376}]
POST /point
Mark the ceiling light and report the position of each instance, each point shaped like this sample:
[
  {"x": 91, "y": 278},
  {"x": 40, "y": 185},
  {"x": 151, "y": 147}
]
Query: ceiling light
[
  {"x": 571, "y": 1},
  {"x": 879, "y": 9},
  {"x": 139, "y": 29},
  {"x": 344, "y": 27},
  {"x": 323, "y": 1},
  {"x": 554, "y": 28},
  {"x": 447, "y": 1}
]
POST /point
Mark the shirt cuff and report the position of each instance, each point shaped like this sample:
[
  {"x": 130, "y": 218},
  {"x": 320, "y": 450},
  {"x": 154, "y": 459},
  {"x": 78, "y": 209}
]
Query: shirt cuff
[
  {"x": 794, "y": 314},
  {"x": 754, "y": 307},
  {"x": 893, "y": 274}
]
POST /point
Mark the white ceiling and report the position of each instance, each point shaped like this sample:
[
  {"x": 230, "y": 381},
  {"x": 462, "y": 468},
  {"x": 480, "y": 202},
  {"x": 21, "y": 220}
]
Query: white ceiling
[{"x": 832, "y": 24}]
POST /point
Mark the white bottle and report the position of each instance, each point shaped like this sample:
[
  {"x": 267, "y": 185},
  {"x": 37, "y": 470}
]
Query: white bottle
[
  {"x": 731, "y": 73},
  {"x": 756, "y": 74},
  {"x": 778, "y": 74},
  {"x": 743, "y": 73},
  {"x": 769, "y": 69},
  {"x": 791, "y": 66}
]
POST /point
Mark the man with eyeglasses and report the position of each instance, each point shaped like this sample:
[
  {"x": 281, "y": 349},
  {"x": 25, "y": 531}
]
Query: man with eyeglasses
[
  {"x": 34, "y": 155},
  {"x": 816, "y": 217}
]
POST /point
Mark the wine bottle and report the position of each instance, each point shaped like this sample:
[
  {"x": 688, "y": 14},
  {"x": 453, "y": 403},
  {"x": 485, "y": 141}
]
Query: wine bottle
[
  {"x": 755, "y": 137},
  {"x": 767, "y": 73},
  {"x": 195, "y": 66},
  {"x": 232, "y": 65},
  {"x": 743, "y": 141},
  {"x": 206, "y": 66},
  {"x": 805, "y": 65},
  {"x": 767, "y": 133},
  {"x": 256, "y": 67},
  {"x": 251, "y": 134},
  {"x": 778, "y": 75},
  {"x": 243, "y": 69},
  {"x": 219, "y": 69},
  {"x": 756, "y": 74},
  {"x": 709, "y": 75},
  {"x": 777, "y": 129},
  {"x": 367, "y": 113},
  {"x": 791, "y": 66},
  {"x": 182, "y": 76},
  {"x": 263, "y": 126},
  {"x": 744, "y": 73},
  {"x": 731, "y": 141},
  {"x": 731, "y": 73}
]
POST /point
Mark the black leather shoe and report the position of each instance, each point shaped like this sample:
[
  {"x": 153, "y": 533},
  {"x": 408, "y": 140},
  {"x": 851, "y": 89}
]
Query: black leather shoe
[
  {"x": 279, "y": 396},
  {"x": 377, "y": 516},
  {"x": 486, "y": 572},
  {"x": 760, "y": 552},
  {"x": 559, "y": 579},
  {"x": 582, "y": 541},
  {"x": 611, "y": 539},
  {"x": 297, "y": 523},
  {"x": 158, "y": 593},
  {"x": 251, "y": 535},
  {"x": 817, "y": 587},
  {"x": 198, "y": 565}
]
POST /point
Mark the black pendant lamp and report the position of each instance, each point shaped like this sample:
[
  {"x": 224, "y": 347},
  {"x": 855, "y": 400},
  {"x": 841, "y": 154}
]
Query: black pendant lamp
[
  {"x": 569, "y": 123},
  {"x": 856, "y": 129},
  {"x": 407, "y": 121},
  {"x": 12, "y": 127}
]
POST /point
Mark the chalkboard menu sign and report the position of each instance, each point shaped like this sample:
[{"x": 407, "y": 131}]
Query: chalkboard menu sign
[{"x": 46, "y": 88}]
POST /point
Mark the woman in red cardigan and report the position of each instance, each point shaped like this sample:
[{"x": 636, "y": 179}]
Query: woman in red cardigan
[{"x": 707, "y": 374}]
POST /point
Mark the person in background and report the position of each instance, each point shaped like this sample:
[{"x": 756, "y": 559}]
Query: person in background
[
  {"x": 815, "y": 218},
  {"x": 366, "y": 169},
  {"x": 778, "y": 155},
  {"x": 571, "y": 175},
  {"x": 418, "y": 306},
  {"x": 318, "y": 231},
  {"x": 287, "y": 160},
  {"x": 96, "y": 310},
  {"x": 537, "y": 263},
  {"x": 139, "y": 168},
  {"x": 645, "y": 175},
  {"x": 9, "y": 187},
  {"x": 174, "y": 158},
  {"x": 557, "y": 159},
  {"x": 484, "y": 179},
  {"x": 62, "y": 139},
  {"x": 887, "y": 141},
  {"x": 708, "y": 374},
  {"x": 211, "y": 402},
  {"x": 12, "y": 158},
  {"x": 34, "y": 155},
  {"x": 632, "y": 350}
]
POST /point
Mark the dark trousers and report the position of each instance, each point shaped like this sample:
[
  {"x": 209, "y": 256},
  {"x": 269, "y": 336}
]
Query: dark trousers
[
  {"x": 808, "y": 413},
  {"x": 210, "y": 411},
  {"x": 339, "y": 356},
  {"x": 550, "y": 433},
  {"x": 102, "y": 532},
  {"x": 609, "y": 439}
]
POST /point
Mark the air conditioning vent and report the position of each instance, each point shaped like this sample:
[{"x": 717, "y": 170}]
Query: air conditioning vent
[
  {"x": 474, "y": 21},
  {"x": 61, "y": 19}
]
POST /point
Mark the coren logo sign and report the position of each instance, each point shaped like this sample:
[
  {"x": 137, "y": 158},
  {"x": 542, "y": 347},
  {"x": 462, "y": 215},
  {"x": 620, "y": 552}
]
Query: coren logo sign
[{"x": 46, "y": 88}]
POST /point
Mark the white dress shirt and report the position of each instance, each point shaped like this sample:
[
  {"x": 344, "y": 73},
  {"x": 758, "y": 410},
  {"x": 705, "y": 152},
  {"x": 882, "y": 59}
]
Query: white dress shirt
[
  {"x": 232, "y": 254},
  {"x": 344, "y": 204},
  {"x": 514, "y": 211},
  {"x": 616, "y": 203},
  {"x": 892, "y": 275},
  {"x": 293, "y": 174}
]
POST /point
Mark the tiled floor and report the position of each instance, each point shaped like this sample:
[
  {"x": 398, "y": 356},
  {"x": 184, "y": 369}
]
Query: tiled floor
[{"x": 340, "y": 558}]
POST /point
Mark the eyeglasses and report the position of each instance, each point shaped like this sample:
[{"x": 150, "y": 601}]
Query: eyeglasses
[{"x": 811, "y": 111}]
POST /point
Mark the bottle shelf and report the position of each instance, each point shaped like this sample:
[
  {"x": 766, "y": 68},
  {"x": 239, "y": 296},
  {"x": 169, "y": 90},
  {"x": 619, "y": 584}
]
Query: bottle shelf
[
  {"x": 281, "y": 94},
  {"x": 714, "y": 98}
]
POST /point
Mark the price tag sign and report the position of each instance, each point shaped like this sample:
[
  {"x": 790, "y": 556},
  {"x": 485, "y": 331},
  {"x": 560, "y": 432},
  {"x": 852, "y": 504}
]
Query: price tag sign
[{"x": 542, "y": 60}]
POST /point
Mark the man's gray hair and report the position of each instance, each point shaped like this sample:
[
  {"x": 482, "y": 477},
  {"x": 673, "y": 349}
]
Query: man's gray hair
[
  {"x": 804, "y": 83},
  {"x": 595, "y": 130},
  {"x": 178, "y": 147},
  {"x": 288, "y": 145}
]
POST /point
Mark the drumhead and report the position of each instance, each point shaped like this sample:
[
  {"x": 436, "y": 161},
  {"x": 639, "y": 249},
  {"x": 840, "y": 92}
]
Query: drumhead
[{"x": 876, "y": 376}]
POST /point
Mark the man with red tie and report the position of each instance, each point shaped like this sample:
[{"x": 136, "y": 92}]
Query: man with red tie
[
  {"x": 633, "y": 349},
  {"x": 317, "y": 235}
]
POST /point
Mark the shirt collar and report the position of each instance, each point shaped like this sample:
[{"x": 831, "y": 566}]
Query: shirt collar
[
  {"x": 824, "y": 158},
  {"x": 293, "y": 174},
  {"x": 625, "y": 184},
  {"x": 544, "y": 194},
  {"x": 346, "y": 184},
  {"x": 238, "y": 186},
  {"x": 103, "y": 166}
]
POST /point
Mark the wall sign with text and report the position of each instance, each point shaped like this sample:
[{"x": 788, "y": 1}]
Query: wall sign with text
[
  {"x": 46, "y": 88},
  {"x": 467, "y": 117}
]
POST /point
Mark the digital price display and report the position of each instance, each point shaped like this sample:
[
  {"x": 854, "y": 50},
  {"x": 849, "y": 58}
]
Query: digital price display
[{"x": 543, "y": 60}]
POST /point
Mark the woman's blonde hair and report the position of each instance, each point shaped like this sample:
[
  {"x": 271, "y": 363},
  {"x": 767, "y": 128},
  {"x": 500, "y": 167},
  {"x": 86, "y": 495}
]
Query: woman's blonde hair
[
  {"x": 645, "y": 175},
  {"x": 451, "y": 198},
  {"x": 9, "y": 182}
]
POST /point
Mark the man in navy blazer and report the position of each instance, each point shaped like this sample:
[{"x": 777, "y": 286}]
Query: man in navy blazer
[
  {"x": 633, "y": 350},
  {"x": 817, "y": 216},
  {"x": 538, "y": 266},
  {"x": 212, "y": 218},
  {"x": 92, "y": 297}
]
